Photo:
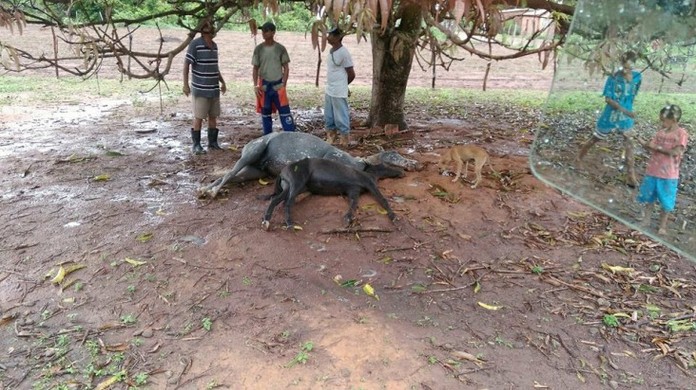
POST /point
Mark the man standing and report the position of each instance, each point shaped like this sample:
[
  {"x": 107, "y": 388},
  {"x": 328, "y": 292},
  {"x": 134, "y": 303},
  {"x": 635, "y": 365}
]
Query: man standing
[
  {"x": 339, "y": 73},
  {"x": 206, "y": 84},
  {"x": 270, "y": 74}
]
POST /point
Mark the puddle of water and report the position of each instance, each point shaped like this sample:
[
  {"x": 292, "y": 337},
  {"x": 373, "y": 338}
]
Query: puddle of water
[
  {"x": 44, "y": 124},
  {"x": 54, "y": 194},
  {"x": 140, "y": 126}
]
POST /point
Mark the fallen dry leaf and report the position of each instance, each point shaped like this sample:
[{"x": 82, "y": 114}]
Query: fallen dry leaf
[
  {"x": 489, "y": 307},
  {"x": 133, "y": 262},
  {"x": 461, "y": 355},
  {"x": 617, "y": 269},
  {"x": 370, "y": 291}
]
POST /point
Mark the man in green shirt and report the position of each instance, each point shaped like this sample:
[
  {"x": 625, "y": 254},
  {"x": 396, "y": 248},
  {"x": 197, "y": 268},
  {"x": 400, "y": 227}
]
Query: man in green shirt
[{"x": 270, "y": 74}]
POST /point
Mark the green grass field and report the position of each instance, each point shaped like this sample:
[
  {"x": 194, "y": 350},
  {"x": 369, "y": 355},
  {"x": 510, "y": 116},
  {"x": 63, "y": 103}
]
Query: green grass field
[{"x": 441, "y": 102}]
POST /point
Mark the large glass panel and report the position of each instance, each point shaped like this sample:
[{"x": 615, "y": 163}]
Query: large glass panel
[{"x": 622, "y": 104}]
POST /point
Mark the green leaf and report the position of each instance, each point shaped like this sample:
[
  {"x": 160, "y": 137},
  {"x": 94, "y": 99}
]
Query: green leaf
[
  {"x": 145, "y": 237},
  {"x": 350, "y": 283}
]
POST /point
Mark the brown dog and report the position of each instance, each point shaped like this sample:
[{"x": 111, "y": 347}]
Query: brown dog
[{"x": 461, "y": 154}]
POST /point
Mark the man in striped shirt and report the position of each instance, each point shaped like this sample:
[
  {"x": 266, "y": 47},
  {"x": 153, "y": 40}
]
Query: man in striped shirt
[{"x": 206, "y": 85}]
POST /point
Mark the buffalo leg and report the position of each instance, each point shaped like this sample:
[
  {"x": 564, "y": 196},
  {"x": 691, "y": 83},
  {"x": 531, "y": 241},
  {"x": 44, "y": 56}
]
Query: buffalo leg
[
  {"x": 353, "y": 196},
  {"x": 381, "y": 200},
  {"x": 278, "y": 196},
  {"x": 266, "y": 223},
  {"x": 251, "y": 154},
  {"x": 293, "y": 191}
]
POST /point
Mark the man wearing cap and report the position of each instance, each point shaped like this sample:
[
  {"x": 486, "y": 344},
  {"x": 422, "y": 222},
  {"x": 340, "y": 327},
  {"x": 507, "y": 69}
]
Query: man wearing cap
[
  {"x": 271, "y": 70},
  {"x": 339, "y": 73},
  {"x": 206, "y": 85}
]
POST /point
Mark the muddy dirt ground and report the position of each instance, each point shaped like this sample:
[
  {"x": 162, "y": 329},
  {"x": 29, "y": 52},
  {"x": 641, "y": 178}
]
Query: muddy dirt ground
[{"x": 509, "y": 285}]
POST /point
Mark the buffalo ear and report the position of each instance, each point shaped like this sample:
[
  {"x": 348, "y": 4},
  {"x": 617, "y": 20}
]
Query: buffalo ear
[{"x": 374, "y": 159}]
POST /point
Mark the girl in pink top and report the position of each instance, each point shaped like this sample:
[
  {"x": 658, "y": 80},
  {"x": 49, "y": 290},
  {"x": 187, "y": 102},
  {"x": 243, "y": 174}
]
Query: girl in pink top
[{"x": 662, "y": 174}]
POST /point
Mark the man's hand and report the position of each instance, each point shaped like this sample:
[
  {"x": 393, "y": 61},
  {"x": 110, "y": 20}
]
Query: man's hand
[
  {"x": 258, "y": 89},
  {"x": 223, "y": 88},
  {"x": 187, "y": 89}
]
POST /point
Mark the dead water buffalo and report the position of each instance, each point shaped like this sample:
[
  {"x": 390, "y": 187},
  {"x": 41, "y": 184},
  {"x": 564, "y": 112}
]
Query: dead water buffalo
[
  {"x": 270, "y": 153},
  {"x": 327, "y": 177}
]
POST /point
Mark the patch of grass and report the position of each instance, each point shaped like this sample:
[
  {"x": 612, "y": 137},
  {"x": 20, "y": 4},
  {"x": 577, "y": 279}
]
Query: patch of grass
[
  {"x": 537, "y": 269},
  {"x": 303, "y": 355},
  {"x": 188, "y": 327},
  {"x": 66, "y": 89},
  {"x": 93, "y": 347},
  {"x": 653, "y": 311},
  {"x": 453, "y": 102},
  {"x": 441, "y": 101},
  {"x": 284, "y": 335},
  {"x": 207, "y": 324},
  {"x": 62, "y": 341},
  {"x": 150, "y": 278},
  {"x": 426, "y": 321},
  {"x": 501, "y": 341},
  {"x": 681, "y": 325},
  {"x": 610, "y": 320},
  {"x": 647, "y": 105},
  {"x": 128, "y": 319},
  {"x": 647, "y": 289},
  {"x": 140, "y": 378},
  {"x": 118, "y": 357}
]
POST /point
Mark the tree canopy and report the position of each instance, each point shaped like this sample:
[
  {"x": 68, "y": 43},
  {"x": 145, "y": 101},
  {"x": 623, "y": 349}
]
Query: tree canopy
[
  {"x": 98, "y": 29},
  {"x": 431, "y": 33}
]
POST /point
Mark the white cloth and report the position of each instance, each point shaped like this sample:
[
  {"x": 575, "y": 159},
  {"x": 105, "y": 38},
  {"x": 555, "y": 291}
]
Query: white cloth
[{"x": 336, "y": 76}]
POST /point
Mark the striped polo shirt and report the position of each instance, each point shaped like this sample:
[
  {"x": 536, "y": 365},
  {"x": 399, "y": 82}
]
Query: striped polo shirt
[{"x": 205, "y": 73}]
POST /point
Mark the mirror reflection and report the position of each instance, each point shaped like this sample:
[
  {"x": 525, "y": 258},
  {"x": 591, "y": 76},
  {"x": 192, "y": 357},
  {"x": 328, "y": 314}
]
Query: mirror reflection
[{"x": 618, "y": 130}]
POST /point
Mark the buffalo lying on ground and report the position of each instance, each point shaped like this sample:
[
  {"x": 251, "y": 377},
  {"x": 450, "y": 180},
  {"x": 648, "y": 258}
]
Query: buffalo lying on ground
[
  {"x": 327, "y": 177},
  {"x": 270, "y": 153}
]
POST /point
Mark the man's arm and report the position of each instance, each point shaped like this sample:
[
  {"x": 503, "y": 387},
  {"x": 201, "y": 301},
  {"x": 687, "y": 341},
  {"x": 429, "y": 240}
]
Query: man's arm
[
  {"x": 351, "y": 74},
  {"x": 286, "y": 73},
  {"x": 255, "y": 77},
  {"x": 615, "y": 105},
  {"x": 223, "y": 86},
  {"x": 187, "y": 88}
]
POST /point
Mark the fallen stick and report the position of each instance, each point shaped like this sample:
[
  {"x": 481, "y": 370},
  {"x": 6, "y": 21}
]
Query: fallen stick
[{"x": 358, "y": 230}]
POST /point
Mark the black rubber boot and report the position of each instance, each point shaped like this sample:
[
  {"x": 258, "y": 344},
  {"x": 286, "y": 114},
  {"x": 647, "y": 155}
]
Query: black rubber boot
[
  {"x": 196, "y": 137},
  {"x": 212, "y": 139}
]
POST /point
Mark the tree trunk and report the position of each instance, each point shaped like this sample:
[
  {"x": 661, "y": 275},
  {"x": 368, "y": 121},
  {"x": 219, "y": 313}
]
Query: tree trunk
[{"x": 392, "y": 56}]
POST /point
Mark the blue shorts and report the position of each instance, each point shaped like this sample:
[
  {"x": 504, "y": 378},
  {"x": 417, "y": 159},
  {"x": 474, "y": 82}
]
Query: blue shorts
[
  {"x": 612, "y": 120},
  {"x": 656, "y": 189}
]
